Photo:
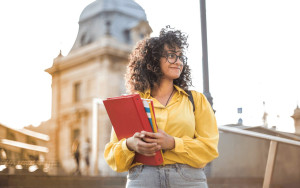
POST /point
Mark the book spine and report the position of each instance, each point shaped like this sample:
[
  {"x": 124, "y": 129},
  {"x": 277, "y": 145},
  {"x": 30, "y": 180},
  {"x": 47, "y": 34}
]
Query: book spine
[
  {"x": 142, "y": 113},
  {"x": 153, "y": 116},
  {"x": 158, "y": 158},
  {"x": 148, "y": 111}
]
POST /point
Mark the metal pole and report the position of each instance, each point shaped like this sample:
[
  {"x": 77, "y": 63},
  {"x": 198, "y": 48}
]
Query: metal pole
[{"x": 204, "y": 53}]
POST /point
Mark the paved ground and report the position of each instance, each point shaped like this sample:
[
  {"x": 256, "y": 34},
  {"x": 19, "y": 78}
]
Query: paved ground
[
  {"x": 29, "y": 181},
  {"x": 45, "y": 181}
]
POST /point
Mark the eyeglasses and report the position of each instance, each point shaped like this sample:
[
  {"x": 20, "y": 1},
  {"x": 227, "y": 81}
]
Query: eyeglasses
[{"x": 172, "y": 58}]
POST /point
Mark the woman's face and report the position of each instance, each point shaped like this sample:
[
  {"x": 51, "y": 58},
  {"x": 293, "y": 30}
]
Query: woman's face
[{"x": 171, "y": 63}]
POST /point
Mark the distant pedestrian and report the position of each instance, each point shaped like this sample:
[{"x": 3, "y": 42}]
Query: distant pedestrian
[
  {"x": 87, "y": 150},
  {"x": 3, "y": 156},
  {"x": 76, "y": 154}
]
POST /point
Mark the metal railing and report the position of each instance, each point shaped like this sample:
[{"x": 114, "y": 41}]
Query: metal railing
[{"x": 274, "y": 140}]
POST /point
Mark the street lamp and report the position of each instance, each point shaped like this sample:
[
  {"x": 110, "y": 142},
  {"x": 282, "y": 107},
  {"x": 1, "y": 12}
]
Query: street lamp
[{"x": 204, "y": 53}]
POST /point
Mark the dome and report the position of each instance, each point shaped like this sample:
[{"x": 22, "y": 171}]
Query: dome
[
  {"x": 128, "y": 7},
  {"x": 115, "y": 18}
]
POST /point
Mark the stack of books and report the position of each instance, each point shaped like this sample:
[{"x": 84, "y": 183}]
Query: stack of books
[{"x": 130, "y": 114}]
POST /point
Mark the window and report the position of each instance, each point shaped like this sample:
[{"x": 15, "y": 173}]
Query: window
[
  {"x": 142, "y": 35},
  {"x": 127, "y": 36},
  {"x": 10, "y": 135},
  {"x": 30, "y": 140},
  {"x": 85, "y": 39},
  {"x": 77, "y": 92}
]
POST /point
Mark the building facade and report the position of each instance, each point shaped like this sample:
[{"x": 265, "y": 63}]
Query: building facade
[{"x": 94, "y": 68}]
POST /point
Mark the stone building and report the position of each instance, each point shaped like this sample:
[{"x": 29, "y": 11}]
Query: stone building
[
  {"x": 94, "y": 68},
  {"x": 22, "y": 151}
]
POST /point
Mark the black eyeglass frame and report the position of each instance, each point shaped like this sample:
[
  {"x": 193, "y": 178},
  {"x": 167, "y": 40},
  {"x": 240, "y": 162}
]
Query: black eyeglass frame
[{"x": 182, "y": 58}]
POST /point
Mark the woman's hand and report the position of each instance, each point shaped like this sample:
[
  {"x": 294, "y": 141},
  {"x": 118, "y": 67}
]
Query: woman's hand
[
  {"x": 137, "y": 143},
  {"x": 164, "y": 140}
]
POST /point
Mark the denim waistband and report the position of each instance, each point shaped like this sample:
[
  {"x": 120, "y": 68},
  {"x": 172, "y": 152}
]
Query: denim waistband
[{"x": 170, "y": 166}]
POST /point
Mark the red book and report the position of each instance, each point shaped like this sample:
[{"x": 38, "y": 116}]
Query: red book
[{"x": 128, "y": 116}]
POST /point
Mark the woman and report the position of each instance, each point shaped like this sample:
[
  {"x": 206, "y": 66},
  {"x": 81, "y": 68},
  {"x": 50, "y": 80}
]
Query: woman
[{"x": 158, "y": 70}]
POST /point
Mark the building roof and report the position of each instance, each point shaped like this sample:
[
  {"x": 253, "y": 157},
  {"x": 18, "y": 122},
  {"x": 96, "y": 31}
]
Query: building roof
[
  {"x": 114, "y": 18},
  {"x": 127, "y": 7},
  {"x": 26, "y": 132}
]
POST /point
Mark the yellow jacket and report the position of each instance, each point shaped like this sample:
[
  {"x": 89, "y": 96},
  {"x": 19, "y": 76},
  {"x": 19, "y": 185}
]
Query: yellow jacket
[{"x": 196, "y": 133}]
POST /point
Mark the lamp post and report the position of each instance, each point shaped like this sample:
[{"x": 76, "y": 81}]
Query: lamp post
[{"x": 204, "y": 53}]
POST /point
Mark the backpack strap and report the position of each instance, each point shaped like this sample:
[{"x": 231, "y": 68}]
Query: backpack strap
[{"x": 189, "y": 92}]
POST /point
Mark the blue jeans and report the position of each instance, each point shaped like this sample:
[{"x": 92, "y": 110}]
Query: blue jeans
[{"x": 169, "y": 176}]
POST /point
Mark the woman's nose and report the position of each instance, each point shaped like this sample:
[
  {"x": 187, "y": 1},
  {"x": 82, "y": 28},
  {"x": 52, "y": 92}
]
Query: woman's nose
[{"x": 179, "y": 62}]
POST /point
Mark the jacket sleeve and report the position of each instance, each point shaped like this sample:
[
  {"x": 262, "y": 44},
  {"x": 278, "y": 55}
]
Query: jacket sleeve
[
  {"x": 117, "y": 155},
  {"x": 203, "y": 148}
]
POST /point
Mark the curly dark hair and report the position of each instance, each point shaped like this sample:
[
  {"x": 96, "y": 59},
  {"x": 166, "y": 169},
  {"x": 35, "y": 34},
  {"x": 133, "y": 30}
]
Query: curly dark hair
[{"x": 143, "y": 70}]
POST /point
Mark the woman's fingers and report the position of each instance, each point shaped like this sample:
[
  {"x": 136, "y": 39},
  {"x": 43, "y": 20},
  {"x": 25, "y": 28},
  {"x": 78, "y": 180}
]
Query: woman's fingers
[
  {"x": 146, "y": 146},
  {"x": 149, "y": 134},
  {"x": 147, "y": 149},
  {"x": 139, "y": 135},
  {"x": 139, "y": 143},
  {"x": 161, "y": 138},
  {"x": 150, "y": 140},
  {"x": 144, "y": 143}
]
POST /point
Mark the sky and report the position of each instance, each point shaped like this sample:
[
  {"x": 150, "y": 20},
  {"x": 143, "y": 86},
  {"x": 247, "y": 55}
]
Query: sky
[{"x": 253, "y": 55}]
